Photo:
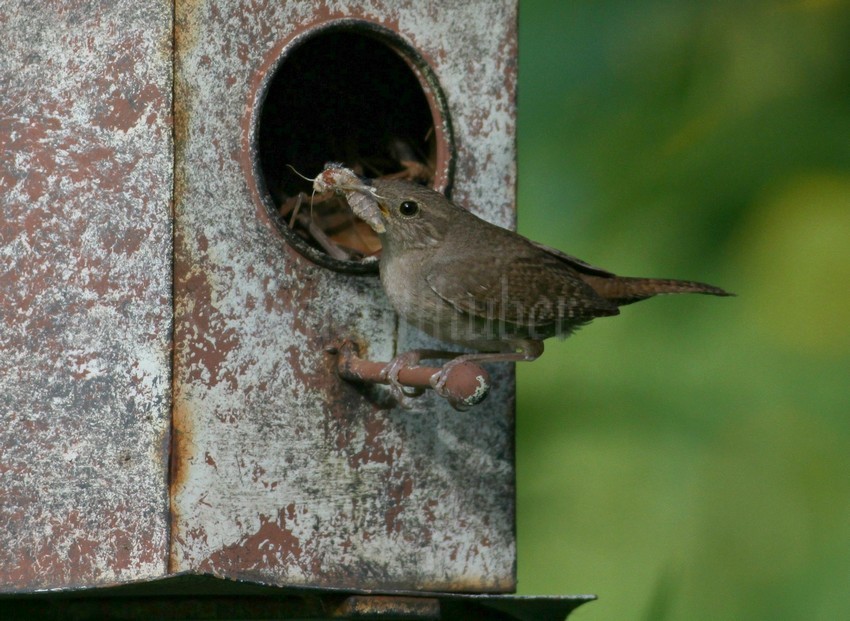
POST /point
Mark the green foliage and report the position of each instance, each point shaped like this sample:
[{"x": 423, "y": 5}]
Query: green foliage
[{"x": 690, "y": 459}]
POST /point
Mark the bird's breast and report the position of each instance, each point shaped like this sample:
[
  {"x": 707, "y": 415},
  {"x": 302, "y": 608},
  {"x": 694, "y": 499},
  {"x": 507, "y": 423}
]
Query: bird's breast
[{"x": 404, "y": 281}]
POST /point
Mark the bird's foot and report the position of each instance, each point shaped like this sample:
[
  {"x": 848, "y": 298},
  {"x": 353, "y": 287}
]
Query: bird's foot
[
  {"x": 399, "y": 392},
  {"x": 440, "y": 378}
]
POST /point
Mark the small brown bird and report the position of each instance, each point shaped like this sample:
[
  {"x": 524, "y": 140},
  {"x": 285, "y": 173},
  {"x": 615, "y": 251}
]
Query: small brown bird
[{"x": 468, "y": 282}]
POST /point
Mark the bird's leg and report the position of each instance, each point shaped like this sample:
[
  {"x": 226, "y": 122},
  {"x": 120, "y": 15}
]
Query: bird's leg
[
  {"x": 409, "y": 359},
  {"x": 525, "y": 350}
]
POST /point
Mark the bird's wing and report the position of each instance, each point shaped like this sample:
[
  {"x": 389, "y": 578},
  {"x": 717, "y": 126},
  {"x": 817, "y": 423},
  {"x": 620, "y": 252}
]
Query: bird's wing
[
  {"x": 581, "y": 266},
  {"x": 534, "y": 289}
]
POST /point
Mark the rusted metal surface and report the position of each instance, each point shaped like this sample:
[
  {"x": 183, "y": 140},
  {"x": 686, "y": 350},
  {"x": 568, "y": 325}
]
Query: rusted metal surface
[
  {"x": 283, "y": 472},
  {"x": 85, "y": 297}
]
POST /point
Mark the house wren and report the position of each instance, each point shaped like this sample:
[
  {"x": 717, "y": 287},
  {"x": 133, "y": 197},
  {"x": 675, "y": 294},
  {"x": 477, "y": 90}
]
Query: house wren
[{"x": 477, "y": 285}]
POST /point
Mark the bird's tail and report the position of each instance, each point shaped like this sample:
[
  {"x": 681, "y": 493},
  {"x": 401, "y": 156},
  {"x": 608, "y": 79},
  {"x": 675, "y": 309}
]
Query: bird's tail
[{"x": 624, "y": 290}]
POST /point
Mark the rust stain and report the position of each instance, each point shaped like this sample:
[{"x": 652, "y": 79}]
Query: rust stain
[
  {"x": 374, "y": 450},
  {"x": 274, "y": 545},
  {"x": 207, "y": 355},
  {"x": 398, "y": 494},
  {"x": 125, "y": 102},
  {"x": 183, "y": 454}
]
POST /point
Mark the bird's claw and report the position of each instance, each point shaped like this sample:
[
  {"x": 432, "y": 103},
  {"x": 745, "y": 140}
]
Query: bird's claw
[
  {"x": 390, "y": 373},
  {"x": 439, "y": 379},
  {"x": 438, "y": 383}
]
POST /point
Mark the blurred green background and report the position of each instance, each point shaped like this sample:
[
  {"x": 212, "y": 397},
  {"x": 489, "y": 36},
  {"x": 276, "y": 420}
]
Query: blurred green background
[{"x": 690, "y": 459}]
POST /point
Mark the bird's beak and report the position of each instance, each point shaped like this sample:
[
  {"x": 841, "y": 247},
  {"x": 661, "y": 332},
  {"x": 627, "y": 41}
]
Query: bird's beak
[{"x": 378, "y": 222}]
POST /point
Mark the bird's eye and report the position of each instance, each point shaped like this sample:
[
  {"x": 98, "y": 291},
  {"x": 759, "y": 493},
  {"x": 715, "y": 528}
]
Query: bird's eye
[{"x": 408, "y": 208}]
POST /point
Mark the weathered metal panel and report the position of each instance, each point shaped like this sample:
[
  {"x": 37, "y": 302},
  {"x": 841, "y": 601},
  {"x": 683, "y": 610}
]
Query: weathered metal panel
[
  {"x": 85, "y": 292},
  {"x": 283, "y": 473}
]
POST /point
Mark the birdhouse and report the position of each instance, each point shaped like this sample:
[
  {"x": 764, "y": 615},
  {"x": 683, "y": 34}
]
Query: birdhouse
[{"x": 172, "y": 409}]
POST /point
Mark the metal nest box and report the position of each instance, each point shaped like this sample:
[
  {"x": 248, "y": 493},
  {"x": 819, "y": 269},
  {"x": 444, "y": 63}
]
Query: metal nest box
[{"x": 169, "y": 405}]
